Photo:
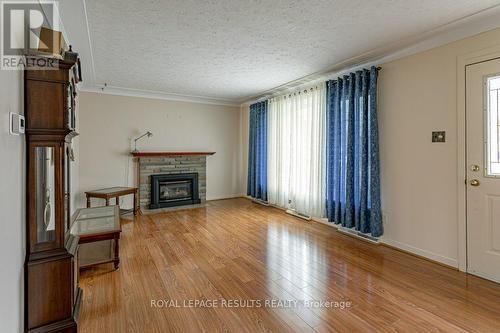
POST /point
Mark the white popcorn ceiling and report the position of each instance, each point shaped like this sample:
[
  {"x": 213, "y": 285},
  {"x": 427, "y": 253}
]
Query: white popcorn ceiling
[{"x": 234, "y": 49}]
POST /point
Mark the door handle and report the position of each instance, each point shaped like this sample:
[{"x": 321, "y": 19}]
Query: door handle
[
  {"x": 474, "y": 167},
  {"x": 474, "y": 182}
]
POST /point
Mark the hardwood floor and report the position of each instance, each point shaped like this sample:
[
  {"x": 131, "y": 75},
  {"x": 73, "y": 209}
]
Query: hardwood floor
[{"x": 236, "y": 250}]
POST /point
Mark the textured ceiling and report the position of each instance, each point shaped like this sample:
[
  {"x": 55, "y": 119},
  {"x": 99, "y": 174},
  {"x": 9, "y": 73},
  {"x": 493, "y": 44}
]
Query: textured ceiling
[{"x": 233, "y": 49}]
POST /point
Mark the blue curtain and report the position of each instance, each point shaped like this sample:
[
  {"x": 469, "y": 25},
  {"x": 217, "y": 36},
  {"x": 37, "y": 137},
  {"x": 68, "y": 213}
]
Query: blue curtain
[
  {"x": 257, "y": 152},
  {"x": 353, "y": 172}
]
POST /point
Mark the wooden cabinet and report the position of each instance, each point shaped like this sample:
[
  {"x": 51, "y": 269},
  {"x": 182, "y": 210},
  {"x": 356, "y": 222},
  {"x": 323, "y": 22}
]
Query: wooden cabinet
[{"x": 52, "y": 295}]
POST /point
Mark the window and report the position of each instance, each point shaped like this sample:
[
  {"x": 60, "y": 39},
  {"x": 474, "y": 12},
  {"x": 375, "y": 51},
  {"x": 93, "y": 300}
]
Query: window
[
  {"x": 296, "y": 151},
  {"x": 493, "y": 126}
]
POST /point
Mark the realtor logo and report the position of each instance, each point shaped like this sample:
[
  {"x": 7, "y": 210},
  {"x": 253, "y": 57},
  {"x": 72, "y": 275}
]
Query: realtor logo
[{"x": 23, "y": 22}]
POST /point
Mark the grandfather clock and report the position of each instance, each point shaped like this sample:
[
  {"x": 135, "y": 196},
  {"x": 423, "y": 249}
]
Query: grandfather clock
[{"x": 52, "y": 295}]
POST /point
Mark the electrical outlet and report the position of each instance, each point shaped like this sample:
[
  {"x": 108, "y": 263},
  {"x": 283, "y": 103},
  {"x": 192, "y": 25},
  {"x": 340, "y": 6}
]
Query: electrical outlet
[{"x": 385, "y": 219}]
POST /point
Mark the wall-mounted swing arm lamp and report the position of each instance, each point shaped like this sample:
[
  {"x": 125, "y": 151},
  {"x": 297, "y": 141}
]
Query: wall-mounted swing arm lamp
[{"x": 148, "y": 134}]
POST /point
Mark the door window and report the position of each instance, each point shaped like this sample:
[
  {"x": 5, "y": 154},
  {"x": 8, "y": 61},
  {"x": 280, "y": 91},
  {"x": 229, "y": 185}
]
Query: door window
[{"x": 493, "y": 126}]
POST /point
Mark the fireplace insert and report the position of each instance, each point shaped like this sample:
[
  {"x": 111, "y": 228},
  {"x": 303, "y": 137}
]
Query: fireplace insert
[{"x": 169, "y": 190}]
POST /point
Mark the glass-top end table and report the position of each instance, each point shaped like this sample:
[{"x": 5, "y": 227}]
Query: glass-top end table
[
  {"x": 98, "y": 224},
  {"x": 114, "y": 192},
  {"x": 97, "y": 220}
]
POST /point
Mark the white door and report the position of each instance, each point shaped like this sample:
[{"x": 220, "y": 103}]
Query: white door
[{"x": 483, "y": 169}]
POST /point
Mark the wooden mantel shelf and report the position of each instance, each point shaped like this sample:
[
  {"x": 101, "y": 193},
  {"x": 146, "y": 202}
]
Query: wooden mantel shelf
[{"x": 170, "y": 153}]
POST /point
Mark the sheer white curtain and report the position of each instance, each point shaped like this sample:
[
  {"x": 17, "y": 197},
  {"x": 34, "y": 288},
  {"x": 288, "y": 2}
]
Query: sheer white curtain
[{"x": 297, "y": 152}]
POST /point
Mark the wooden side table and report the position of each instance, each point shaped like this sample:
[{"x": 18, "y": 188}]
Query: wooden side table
[{"x": 114, "y": 192}]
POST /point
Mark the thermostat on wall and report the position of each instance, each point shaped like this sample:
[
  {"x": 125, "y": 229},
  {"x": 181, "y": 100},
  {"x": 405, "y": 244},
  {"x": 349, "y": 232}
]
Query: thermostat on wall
[{"x": 17, "y": 124}]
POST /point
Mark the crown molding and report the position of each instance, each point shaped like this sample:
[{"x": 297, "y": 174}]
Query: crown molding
[
  {"x": 462, "y": 28},
  {"x": 129, "y": 92}
]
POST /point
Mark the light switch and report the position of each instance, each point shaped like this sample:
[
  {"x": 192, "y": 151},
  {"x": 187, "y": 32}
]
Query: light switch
[{"x": 439, "y": 136}]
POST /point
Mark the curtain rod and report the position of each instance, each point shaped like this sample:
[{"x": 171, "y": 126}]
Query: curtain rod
[
  {"x": 377, "y": 68},
  {"x": 299, "y": 91},
  {"x": 294, "y": 93},
  {"x": 348, "y": 72},
  {"x": 264, "y": 98}
]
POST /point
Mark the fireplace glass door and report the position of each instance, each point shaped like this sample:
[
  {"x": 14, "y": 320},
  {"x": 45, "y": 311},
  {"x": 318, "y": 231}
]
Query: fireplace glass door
[
  {"x": 175, "y": 190},
  {"x": 169, "y": 190}
]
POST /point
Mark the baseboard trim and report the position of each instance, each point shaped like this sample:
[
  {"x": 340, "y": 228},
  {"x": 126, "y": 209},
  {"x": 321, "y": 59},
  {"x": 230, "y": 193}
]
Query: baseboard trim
[
  {"x": 419, "y": 253},
  {"x": 347, "y": 232},
  {"x": 389, "y": 243},
  {"x": 300, "y": 216},
  {"x": 358, "y": 235},
  {"x": 408, "y": 249},
  {"x": 224, "y": 197},
  {"x": 260, "y": 202}
]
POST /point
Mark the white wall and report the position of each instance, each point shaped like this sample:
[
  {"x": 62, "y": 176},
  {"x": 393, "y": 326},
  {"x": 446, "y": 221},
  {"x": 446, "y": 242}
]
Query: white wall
[
  {"x": 418, "y": 95},
  {"x": 12, "y": 206},
  {"x": 244, "y": 138},
  {"x": 108, "y": 123}
]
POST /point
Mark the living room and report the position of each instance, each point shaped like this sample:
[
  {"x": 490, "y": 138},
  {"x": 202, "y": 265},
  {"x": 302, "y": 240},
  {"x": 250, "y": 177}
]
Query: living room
[{"x": 282, "y": 166}]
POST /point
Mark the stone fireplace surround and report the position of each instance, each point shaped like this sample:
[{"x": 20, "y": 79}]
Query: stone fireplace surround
[{"x": 156, "y": 163}]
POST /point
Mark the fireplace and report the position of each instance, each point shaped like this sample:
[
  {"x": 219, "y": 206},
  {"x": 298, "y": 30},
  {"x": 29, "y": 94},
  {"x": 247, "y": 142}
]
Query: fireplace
[{"x": 169, "y": 190}]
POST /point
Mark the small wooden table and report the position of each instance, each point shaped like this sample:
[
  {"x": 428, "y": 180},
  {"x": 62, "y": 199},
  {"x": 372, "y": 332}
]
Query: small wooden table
[
  {"x": 114, "y": 192},
  {"x": 97, "y": 224}
]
